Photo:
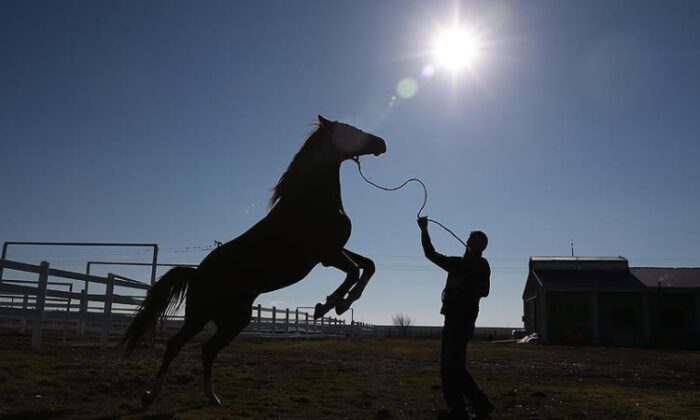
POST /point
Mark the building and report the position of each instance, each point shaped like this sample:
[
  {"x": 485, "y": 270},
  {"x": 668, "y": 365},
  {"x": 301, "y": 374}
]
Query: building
[{"x": 602, "y": 301}]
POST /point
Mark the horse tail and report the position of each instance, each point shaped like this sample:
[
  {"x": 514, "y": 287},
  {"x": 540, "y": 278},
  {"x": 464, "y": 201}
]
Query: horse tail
[{"x": 164, "y": 297}]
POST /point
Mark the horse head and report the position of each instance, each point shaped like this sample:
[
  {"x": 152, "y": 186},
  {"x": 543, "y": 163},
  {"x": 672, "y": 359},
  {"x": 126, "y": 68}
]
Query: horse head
[
  {"x": 348, "y": 142},
  {"x": 325, "y": 149}
]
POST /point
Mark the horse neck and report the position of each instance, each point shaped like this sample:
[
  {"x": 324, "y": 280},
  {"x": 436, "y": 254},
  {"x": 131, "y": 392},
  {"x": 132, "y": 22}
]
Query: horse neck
[
  {"x": 320, "y": 189},
  {"x": 323, "y": 187}
]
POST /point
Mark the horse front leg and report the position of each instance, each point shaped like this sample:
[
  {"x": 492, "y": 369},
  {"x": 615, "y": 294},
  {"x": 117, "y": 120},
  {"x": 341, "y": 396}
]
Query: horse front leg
[
  {"x": 343, "y": 262},
  {"x": 368, "y": 269}
]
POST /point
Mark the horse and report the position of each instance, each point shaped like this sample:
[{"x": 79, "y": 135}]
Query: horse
[{"x": 304, "y": 226}]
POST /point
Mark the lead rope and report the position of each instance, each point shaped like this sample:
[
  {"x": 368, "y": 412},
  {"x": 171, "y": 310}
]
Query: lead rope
[{"x": 425, "y": 197}]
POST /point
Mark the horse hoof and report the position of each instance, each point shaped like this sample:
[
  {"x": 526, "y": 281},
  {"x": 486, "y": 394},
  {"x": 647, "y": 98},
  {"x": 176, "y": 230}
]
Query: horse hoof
[
  {"x": 342, "y": 307},
  {"x": 320, "y": 310},
  {"x": 147, "y": 399}
]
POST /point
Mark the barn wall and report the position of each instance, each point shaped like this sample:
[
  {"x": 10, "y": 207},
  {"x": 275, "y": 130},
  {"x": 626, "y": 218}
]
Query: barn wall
[
  {"x": 569, "y": 318},
  {"x": 673, "y": 319},
  {"x": 620, "y": 319},
  {"x": 530, "y": 315}
]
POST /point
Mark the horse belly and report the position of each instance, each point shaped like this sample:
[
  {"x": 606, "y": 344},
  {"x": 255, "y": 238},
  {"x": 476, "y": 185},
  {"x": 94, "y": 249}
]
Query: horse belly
[
  {"x": 332, "y": 234},
  {"x": 276, "y": 278},
  {"x": 257, "y": 267},
  {"x": 272, "y": 255},
  {"x": 284, "y": 263}
]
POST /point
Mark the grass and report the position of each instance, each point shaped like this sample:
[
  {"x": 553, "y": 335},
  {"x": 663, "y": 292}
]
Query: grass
[{"x": 345, "y": 378}]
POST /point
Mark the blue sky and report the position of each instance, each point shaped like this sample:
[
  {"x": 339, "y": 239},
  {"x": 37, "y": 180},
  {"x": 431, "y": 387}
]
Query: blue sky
[{"x": 170, "y": 122}]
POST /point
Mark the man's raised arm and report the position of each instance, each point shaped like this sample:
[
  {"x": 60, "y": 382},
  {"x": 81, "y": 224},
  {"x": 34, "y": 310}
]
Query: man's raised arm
[{"x": 438, "y": 259}]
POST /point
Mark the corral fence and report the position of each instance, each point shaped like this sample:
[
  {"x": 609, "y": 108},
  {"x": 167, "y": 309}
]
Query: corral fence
[
  {"x": 40, "y": 305},
  {"x": 49, "y": 302},
  {"x": 417, "y": 331},
  {"x": 284, "y": 322}
]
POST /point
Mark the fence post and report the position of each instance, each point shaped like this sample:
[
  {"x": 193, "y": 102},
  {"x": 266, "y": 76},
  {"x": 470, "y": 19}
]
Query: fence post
[
  {"x": 259, "y": 317},
  {"x": 23, "y": 322},
  {"x": 83, "y": 312},
  {"x": 65, "y": 323},
  {"x": 274, "y": 319},
  {"x": 70, "y": 290},
  {"x": 286, "y": 322},
  {"x": 154, "y": 266},
  {"x": 109, "y": 296},
  {"x": 306, "y": 316},
  {"x": 4, "y": 254},
  {"x": 40, "y": 305},
  {"x": 296, "y": 320}
]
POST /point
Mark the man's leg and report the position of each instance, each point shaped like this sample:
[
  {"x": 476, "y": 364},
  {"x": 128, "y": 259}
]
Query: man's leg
[
  {"x": 452, "y": 364},
  {"x": 469, "y": 386}
]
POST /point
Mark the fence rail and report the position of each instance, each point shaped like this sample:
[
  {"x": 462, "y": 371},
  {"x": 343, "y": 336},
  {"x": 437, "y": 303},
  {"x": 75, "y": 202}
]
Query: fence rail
[
  {"x": 38, "y": 305},
  {"x": 418, "y": 331}
]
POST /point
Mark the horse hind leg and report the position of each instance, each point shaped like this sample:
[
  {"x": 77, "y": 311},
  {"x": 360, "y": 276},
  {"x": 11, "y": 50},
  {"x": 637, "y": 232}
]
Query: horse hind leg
[
  {"x": 355, "y": 292},
  {"x": 344, "y": 262},
  {"x": 227, "y": 328},
  {"x": 337, "y": 297},
  {"x": 189, "y": 329}
]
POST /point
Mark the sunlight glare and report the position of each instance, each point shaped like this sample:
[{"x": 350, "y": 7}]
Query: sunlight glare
[{"x": 456, "y": 48}]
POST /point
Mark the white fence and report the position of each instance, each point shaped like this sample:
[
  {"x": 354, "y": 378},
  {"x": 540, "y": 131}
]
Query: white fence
[
  {"x": 285, "y": 322},
  {"x": 36, "y": 304},
  {"x": 39, "y": 305},
  {"x": 418, "y": 331}
]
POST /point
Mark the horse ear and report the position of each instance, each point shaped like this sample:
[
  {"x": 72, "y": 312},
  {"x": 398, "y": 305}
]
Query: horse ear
[{"x": 322, "y": 121}]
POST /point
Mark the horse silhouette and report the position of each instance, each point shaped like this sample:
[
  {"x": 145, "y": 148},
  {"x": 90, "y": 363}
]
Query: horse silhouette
[{"x": 305, "y": 225}]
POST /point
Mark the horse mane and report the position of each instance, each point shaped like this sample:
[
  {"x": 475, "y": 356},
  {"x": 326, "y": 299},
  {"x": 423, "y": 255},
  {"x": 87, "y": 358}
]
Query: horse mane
[{"x": 294, "y": 171}]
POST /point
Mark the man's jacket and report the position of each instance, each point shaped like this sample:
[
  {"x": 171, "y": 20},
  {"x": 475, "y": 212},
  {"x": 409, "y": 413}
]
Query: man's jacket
[{"x": 468, "y": 280}]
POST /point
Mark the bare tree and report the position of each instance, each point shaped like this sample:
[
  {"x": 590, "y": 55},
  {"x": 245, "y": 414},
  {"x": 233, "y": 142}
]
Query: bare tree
[{"x": 403, "y": 322}]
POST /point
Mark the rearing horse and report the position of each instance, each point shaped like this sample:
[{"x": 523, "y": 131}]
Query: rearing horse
[{"x": 306, "y": 225}]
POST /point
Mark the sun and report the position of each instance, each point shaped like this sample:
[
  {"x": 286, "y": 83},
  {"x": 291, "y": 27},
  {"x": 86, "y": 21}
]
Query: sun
[{"x": 456, "y": 48}]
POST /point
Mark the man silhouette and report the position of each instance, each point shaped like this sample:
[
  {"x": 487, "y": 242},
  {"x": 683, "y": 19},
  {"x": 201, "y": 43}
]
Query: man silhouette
[{"x": 467, "y": 282}]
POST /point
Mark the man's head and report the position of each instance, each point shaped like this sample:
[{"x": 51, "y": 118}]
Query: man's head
[{"x": 477, "y": 242}]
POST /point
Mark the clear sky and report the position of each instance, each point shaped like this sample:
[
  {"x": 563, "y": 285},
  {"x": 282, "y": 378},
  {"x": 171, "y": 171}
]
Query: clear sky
[{"x": 169, "y": 122}]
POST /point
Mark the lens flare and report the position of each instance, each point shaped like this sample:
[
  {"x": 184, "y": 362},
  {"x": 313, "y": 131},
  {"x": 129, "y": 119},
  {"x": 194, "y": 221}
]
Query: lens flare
[
  {"x": 428, "y": 71},
  {"x": 407, "y": 88}
]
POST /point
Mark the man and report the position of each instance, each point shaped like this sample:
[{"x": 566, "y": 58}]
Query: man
[{"x": 467, "y": 282}]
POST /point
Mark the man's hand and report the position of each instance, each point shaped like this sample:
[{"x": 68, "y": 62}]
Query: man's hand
[{"x": 422, "y": 222}]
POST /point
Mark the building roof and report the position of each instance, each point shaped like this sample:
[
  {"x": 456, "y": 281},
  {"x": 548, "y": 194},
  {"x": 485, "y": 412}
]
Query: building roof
[
  {"x": 588, "y": 280},
  {"x": 668, "y": 277},
  {"x": 580, "y": 274},
  {"x": 603, "y": 274},
  {"x": 580, "y": 259},
  {"x": 578, "y": 263}
]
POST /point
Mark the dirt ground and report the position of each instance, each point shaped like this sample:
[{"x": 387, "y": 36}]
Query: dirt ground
[{"x": 345, "y": 379}]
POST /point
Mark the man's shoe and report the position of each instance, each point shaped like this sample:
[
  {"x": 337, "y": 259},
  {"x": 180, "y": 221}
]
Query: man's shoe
[
  {"x": 458, "y": 415},
  {"x": 452, "y": 415},
  {"x": 484, "y": 410}
]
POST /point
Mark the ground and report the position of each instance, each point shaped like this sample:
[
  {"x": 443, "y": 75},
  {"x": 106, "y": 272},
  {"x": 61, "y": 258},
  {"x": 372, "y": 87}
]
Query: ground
[{"x": 345, "y": 379}]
